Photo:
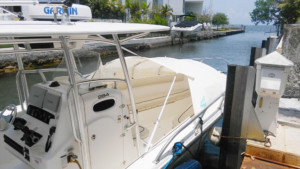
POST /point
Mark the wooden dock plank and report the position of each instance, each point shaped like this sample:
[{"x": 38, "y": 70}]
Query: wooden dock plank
[{"x": 249, "y": 163}]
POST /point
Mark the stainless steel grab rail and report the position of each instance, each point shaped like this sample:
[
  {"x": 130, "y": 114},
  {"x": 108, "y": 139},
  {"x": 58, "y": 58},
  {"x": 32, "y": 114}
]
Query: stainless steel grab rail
[{"x": 157, "y": 159}]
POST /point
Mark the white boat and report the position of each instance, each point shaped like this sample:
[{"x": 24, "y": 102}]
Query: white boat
[
  {"x": 186, "y": 28},
  {"x": 42, "y": 10},
  {"x": 126, "y": 114}
]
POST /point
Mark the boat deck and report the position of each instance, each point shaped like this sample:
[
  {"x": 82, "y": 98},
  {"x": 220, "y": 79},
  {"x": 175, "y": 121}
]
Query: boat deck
[{"x": 283, "y": 151}]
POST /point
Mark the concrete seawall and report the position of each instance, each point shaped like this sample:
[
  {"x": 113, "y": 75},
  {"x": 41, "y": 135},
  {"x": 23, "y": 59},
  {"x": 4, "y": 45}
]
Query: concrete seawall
[
  {"x": 8, "y": 63},
  {"x": 291, "y": 49}
]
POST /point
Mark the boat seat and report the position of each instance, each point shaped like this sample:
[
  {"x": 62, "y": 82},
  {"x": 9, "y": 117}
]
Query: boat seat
[
  {"x": 150, "y": 82},
  {"x": 150, "y": 92}
]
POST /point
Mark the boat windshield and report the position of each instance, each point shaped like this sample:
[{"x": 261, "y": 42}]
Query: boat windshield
[{"x": 53, "y": 65}]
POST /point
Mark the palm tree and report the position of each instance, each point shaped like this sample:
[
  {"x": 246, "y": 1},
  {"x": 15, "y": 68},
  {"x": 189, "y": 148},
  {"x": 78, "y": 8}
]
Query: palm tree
[
  {"x": 145, "y": 8},
  {"x": 166, "y": 10},
  {"x": 135, "y": 9}
]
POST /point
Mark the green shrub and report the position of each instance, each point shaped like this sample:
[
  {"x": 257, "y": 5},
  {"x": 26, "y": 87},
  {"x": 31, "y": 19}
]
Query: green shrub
[
  {"x": 191, "y": 17},
  {"x": 160, "y": 20}
]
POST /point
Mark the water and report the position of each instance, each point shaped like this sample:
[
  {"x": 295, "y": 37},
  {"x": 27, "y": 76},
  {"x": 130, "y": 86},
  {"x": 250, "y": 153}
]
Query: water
[{"x": 235, "y": 49}]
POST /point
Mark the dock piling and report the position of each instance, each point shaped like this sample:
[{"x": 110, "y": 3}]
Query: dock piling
[
  {"x": 271, "y": 44},
  {"x": 264, "y": 44},
  {"x": 237, "y": 109},
  {"x": 255, "y": 54}
]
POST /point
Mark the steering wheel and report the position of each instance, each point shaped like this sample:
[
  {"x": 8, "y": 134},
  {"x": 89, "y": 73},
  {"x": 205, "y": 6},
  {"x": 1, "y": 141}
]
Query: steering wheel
[{"x": 7, "y": 116}]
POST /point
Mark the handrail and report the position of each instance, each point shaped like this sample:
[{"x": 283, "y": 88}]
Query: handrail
[
  {"x": 22, "y": 77},
  {"x": 72, "y": 118},
  {"x": 130, "y": 92},
  {"x": 19, "y": 90},
  {"x": 77, "y": 106},
  {"x": 45, "y": 70},
  {"x": 157, "y": 159},
  {"x": 99, "y": 79}
]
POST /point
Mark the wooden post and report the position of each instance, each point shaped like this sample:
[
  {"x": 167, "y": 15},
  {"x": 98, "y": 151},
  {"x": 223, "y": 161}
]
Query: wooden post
[
  {"x": 255, "y": 54},
  {"x": 271, "y": 44},
  {"x": 239, "y": 89},
  {"x": 264, "y": 44}
]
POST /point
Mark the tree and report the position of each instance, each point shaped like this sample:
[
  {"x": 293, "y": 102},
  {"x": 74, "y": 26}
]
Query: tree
[
  {"x": 135, "y": 9},
  {"x": 191, "y": 17},
  {"x": 145, "y": 8},
  {"x": 166, "y": 10},
  {"x": 110, "y": 9},
  {"x": 265, "y": 12},
  {"x": 289, "y": 11},
  {"x": 219, "y": 19},
  {"x": 204, "y": 18},
  {"x": 278, "y": 12}
]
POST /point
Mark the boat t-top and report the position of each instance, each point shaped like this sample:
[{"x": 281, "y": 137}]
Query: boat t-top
[{"x": 127, "y": 113}]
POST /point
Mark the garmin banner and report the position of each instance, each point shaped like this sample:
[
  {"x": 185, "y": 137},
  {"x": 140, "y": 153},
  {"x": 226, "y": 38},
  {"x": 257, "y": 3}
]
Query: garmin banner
[{"x": 49, "y": 10}]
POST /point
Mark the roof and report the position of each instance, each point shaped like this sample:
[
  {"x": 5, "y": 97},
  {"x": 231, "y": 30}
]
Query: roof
[
  {"x": 276, "y": 59},
  {"x": 35, "y": 28}
]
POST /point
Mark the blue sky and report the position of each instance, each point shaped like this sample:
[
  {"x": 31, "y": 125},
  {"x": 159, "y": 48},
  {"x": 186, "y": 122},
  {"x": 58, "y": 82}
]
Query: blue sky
[{"x": 236, "y": 10}]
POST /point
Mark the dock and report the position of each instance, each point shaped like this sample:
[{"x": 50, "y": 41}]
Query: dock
[
  {"x": 263, "y": 132},
  {"x": 215, "y": 34},
  {"x": 283, "y": 151}
]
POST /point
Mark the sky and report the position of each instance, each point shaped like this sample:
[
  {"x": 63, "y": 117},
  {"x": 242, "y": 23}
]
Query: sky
[{"x": 236, "y": 10}]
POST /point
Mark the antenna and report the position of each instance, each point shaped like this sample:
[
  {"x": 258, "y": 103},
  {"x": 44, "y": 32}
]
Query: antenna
[{"x": 210, "y": 9}]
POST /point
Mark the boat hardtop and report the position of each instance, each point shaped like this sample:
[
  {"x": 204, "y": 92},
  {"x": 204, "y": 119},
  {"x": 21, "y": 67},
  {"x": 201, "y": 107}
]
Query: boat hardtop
[{"x": 44, "y": 28}]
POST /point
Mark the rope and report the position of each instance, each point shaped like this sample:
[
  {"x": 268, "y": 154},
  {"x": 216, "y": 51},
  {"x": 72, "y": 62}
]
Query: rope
[
  {"x": 76, "y": 162},
  {"x": 229, "y": 137},
  {"x": 189, "y": 151},
  {"x": 176, "y": 150},
  {"x": 72, "y": 158},
  {"x": 201, "y": 122},
  {"x": 267, "y": 141}
]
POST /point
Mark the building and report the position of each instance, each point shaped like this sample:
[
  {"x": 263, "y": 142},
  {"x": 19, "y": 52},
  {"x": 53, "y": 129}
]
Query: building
[
  {"x": 180, "y": 7},
  {"x": 194, "y": 6}
]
